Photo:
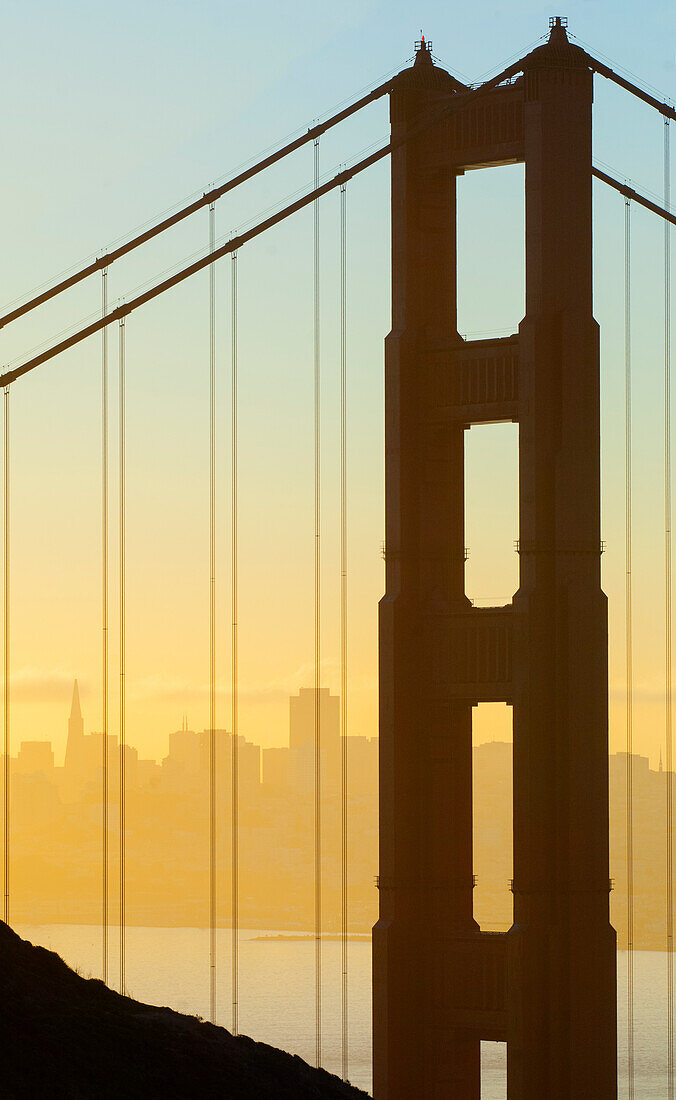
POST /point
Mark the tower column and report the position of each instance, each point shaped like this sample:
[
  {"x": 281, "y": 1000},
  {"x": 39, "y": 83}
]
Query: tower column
[
  {"x": 561, "y": 956},
  {"x": 425, "y": 735}
]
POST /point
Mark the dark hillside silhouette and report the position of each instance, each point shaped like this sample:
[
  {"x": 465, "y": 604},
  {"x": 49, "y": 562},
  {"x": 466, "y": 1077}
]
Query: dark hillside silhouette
[{"x": 65, "y": 1035}]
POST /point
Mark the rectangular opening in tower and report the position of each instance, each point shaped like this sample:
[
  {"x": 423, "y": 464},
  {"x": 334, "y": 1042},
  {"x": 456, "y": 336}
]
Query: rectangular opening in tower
[
  {"x": 493, "y": 1071},
  {"x": 491, "y": 251},
  {"x": 491, "y": 513},
  {"x": 492, "y": 815}
]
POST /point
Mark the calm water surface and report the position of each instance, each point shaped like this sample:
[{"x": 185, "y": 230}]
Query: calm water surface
[{"x": 170, "y": 966}]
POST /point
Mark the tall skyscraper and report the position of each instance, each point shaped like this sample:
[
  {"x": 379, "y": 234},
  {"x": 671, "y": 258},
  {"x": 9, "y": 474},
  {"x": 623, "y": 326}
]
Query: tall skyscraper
[{"x": 75, "y": 742}]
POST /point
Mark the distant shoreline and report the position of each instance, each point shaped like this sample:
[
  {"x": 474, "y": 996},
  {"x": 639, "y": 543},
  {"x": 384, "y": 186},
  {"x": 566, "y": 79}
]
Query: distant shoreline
[
  {"x": 281, "y": 936},
  {"x": 261, "y": 932},
  {"x": 364, "y": 936}
]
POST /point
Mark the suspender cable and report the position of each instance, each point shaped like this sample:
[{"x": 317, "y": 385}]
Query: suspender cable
[
  {"x": 212, "y": 619},
  {"x": 104, "y": 625},
  {"x": 6, "y": 655},
  {"x": 628, "y": 651},
  {"x": 235, "y": 669},
  {"x": 122, "y": 415},
  {"x": 667, "y": 598},
  {"x": 343, "y": 634},
  {"x": 317, "y": 671}
]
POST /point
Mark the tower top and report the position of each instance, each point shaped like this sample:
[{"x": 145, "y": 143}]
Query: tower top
[
  {"x": 558, "y": 35},
  {"x": 423, "y": 75},
  {"x": 423, "y": 51},
  {"x": 558, "y": 52}
]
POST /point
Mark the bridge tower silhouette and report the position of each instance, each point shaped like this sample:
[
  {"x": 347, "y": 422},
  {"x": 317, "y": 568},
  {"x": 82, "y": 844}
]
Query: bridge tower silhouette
[{"x": 441, "y": 985}]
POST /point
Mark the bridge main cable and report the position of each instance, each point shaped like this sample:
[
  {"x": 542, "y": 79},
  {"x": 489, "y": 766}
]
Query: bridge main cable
[
  {"x": 209, "y": 197},
  {"x": 630, "y": 193},
  {"x": 233, "y": 245},
  {"x": 313, "y": 132},
  {"x": 610, "y": 74},
  {"x": 343, "y": 177}
]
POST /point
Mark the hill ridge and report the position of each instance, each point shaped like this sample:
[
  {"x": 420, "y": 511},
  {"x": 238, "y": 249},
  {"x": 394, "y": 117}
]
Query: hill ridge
[{"x": 67, "y": 1035}]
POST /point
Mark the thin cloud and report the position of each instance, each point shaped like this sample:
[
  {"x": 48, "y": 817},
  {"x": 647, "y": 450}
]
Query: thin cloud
[
  {"x": 274, "y": 690},
  {"x": 646, "y": 692},
  {"x": 34, "y": 685}
]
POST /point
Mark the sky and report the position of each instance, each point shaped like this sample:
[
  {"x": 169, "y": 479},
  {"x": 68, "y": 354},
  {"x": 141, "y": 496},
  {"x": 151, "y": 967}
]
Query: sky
[{"x": 112, "y": 116}]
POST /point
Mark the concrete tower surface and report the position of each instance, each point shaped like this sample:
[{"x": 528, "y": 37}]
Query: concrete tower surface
[{"x": 547, "y": 987}]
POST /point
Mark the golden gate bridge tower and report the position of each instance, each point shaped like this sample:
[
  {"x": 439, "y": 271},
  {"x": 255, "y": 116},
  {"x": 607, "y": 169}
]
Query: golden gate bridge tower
[{"x": 441, "y": 985}]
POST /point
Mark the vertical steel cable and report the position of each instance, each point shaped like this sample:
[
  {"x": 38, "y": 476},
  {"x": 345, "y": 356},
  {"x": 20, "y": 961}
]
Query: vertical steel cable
[
  {"x": 122, "y": 457},
  {"x": 667, "y": 598},
  {"x": 343, "y": 634},
  {"x": 628, "y": 651},
  {"x": 317, "y": 673},
  {"x": 212, "y": 619},
  {"x": 104, "y": 624},
  {"x": 6, "y": 655},
  {"x": 235, "y": 670}
]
